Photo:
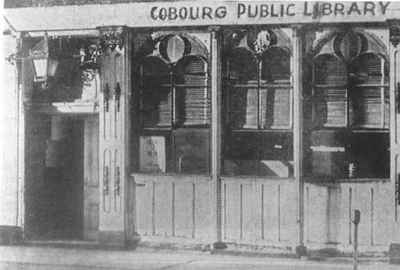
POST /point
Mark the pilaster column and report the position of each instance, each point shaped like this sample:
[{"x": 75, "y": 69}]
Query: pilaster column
[
  {"x": 298, "y": 131},
  {"x": 216, "y": 105}
]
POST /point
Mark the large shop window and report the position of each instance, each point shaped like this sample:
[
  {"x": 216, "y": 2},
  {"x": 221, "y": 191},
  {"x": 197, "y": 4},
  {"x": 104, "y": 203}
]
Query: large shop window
[
  {"x": 258, "y": 137},
  {"x": 349, "y": 133},
  {"x": 174, "y": 109}
]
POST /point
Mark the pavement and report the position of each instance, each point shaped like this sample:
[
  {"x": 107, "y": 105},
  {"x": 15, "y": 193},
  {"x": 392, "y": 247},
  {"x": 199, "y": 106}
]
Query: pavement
[{"x": 51, "y": 258}]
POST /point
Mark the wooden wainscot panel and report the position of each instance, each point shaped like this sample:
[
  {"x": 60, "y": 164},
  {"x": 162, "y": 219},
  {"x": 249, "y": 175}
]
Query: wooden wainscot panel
[
  {"x": 175, "y": 206},
  {"x": 315, "y": 213},
  {"x": 330, "y": 207},
  {"x": 259, "y": 211},
  {"x": 144, "y": 206},
  {"x": 289, "y": 215},
  {"x": 383, "y": 214},
  {"x": 183, "y": 209},
  {"x": 163, "y": 208}
]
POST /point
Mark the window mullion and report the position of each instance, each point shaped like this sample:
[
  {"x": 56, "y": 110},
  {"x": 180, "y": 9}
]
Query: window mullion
[
  {"x": 382, "y": 93},
  {"x": 348, "y": 101},
  {"x": 173, "y": 100},
  {"x": 259, "y": 103}
]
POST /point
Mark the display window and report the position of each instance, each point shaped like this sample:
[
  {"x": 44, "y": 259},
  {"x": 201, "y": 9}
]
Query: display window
[
  {"x": 349, "y": 134},
  {"x": 258, "y": 102},
  {"x": 174, "y": 108}
]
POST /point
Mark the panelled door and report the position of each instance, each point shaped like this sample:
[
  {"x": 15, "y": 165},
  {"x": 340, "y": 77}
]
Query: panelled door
[{"x": 113, "y": 131}]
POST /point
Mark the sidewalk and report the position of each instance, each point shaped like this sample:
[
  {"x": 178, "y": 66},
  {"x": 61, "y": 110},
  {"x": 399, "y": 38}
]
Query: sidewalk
[{"x": 46, "y": 258}]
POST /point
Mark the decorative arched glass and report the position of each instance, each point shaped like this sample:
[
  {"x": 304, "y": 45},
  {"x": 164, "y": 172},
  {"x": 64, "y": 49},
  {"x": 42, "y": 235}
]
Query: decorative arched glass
[
  {"x": 349, "y": 135},
  {"x": 258, "y": 102},
  {"x": 174, "y": 108}
]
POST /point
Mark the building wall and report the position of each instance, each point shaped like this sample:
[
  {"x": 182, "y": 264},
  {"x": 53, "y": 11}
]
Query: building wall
[{"x": 8, "y": 133}]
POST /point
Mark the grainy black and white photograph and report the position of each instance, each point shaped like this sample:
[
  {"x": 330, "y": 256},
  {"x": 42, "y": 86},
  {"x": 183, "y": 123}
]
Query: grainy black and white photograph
[{"x": 199, "y": 135}]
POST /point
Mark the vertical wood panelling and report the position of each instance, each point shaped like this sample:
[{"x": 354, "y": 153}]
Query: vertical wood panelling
[
  {"x": 362, "y": 202},
  {"x": 144, "y": 208},
  {"x": 204, "y": 211},
  {"x": 171, "y": 207},
  {"x": 271, "y": 212},
  {"x": 383, "y": 214},
  {"x": 372, "y": 217},
  {"x": 232, "y": 206},
  {"x": 193, "y": 210},
  {"x": 289, "y": 212},
  {"x": 316, "y": 214},
  {"x": 184, "y": 209},
  {"x": 349, "y": 209},
  {"x": 163, "y": 208},
  {"x": 262, "y": 213},
  {"x": 251, "y": 209},
  {"x": 334, "y": 213},
  {"x": 329, "y": 213}
]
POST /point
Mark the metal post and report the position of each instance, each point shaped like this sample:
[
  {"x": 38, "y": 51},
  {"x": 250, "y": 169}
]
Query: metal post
[{"x": 356, "y": 221}]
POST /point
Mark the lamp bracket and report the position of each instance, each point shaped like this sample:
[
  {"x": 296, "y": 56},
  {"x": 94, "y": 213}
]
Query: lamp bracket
[{"x": 112, "y": 37}]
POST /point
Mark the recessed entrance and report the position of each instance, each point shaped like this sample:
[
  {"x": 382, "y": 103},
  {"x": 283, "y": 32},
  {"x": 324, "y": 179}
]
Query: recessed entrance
[{"x": 54, "y": 186}]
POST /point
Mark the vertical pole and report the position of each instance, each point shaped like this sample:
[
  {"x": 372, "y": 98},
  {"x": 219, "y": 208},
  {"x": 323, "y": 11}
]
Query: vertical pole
[
  {"x": 355, "y": 245},
  {"x": 216, "y": 127},
  {"x": 298, "y": 131},
  {"x": 356, "y": 221}
]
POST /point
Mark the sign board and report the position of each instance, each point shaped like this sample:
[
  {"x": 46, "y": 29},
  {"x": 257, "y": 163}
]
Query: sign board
[{"x": 198, "y": 13}]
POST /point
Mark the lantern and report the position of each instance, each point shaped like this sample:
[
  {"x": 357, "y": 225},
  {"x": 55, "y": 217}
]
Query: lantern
[{"x": 43, "y": 65}]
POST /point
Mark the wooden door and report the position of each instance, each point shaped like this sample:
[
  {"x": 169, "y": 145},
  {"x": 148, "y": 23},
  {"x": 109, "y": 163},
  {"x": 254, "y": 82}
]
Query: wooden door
[{"x": 113, "y": 134}]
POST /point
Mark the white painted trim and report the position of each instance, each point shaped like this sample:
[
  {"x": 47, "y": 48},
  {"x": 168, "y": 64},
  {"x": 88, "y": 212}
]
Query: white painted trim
[{"x": 66, "y": 18}]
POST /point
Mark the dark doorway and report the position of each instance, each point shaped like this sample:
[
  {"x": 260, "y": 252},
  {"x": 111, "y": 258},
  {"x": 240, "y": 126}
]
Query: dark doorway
[{"x": 54, "y": 201}]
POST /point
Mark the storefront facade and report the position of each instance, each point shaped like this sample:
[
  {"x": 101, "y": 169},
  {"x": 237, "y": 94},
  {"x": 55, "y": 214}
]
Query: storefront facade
[{"x": 222, "y": 122}]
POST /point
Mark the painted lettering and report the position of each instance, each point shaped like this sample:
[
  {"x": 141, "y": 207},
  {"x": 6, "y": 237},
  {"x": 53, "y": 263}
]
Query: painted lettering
[
  {"x": 241, "y": 9},
  {"x": 307, "y": 10},
  {"x": 326, "y": 9},
  {"x": 153, "y": 13},
  {"x": 354, "y": 8},
  {"x": 272, "y": 10},
  {"x": 172, "y": 13},
  {"x": 339, "y": 9},
  {"x": 183, "y": 13},
  {"x": 369, "y": 7},
  {"x": 192, "y": 15},
  {"x": 251, "y": 8},
  {"x": 273, "y": 14},
  {"x": 289, "y": 10},
  {"x": 384, "y": 7},
  {"x": 162, "y": 14},
  {"x": 220, "y": 12},
  {"x": 264, "y": 11}
]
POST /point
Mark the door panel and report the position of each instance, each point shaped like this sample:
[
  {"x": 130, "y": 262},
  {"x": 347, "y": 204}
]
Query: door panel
[{"x": 113, "y": 140}]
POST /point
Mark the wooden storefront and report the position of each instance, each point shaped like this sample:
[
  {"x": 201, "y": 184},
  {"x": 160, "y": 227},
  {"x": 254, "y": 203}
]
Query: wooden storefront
[{"x": 228, "y": 122}]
